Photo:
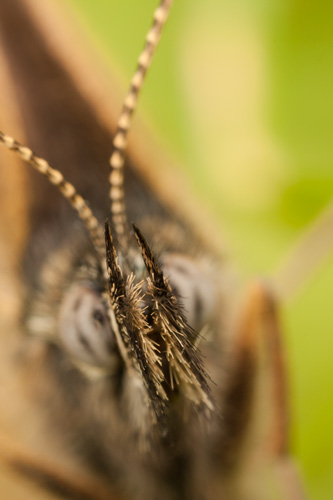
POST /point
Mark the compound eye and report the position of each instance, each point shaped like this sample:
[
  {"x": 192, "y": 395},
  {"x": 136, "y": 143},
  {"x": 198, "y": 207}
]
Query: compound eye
[
  {"x": 194, "y": 285},
  {"x": 84, "y": 326}
]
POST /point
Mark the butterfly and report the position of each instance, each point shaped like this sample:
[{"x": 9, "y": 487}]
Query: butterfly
[{"x": 133, "y": 346}]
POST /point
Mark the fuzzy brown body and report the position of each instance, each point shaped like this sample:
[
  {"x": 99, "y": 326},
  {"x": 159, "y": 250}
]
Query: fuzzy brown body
[{"x": 78, "y": 433}]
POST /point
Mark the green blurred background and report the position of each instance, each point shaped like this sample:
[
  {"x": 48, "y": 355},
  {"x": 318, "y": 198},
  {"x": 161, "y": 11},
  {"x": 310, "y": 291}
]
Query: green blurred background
[{"x": 241, "y": 93}]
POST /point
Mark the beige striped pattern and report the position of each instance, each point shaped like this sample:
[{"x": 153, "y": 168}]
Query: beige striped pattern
[
  {"x": 117, "y": 195},
  {"x": 67, "y": 190}
]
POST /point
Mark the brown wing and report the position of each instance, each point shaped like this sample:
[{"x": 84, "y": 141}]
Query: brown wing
[{"x": 254, "y": 453}]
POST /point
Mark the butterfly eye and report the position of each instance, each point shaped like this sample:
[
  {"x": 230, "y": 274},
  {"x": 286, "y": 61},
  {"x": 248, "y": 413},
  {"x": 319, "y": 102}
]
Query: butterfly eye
[
  {"x": 192, "y": 283},
  {"x": 84, "y": 327}
]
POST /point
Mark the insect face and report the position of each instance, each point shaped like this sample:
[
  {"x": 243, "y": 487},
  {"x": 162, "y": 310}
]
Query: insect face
[{"x": 139, "y": 355}]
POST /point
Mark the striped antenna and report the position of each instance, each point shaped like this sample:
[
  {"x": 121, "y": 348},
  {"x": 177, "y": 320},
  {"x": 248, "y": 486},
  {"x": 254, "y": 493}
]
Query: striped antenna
[
  {"x": 117, "y": 194},
  {"x": 67, "y": 190}
]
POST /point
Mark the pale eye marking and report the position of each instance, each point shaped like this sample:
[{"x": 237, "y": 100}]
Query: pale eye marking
[
  {"x": 84, "y": 328},
  {"x": 193, "y": 283}
]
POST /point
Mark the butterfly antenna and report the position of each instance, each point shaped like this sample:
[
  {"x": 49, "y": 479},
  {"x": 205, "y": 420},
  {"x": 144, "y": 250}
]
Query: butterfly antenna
[
  {"x": 117, "y": 194},
  {"x": 66, "y": 188}
]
